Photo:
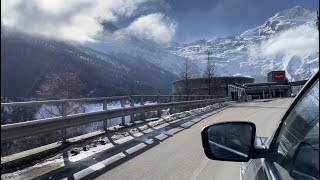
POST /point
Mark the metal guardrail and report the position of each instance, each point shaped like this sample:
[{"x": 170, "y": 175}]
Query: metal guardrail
[
  {"x": 10, "y": 132},
  {"x": 34, "y": 103}
]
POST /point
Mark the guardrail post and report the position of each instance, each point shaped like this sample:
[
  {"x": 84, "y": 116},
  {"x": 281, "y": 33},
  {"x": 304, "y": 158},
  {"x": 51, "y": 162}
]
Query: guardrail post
[
  {"x": 189, "y": 99},
  {"x": 206, "y": 98},
  {"x": 123, "y": 118},
  {"x": 180, "y": 100},
  {"x": 204, "y": 103},
  {"x": 131, "y": 105},
  {"x": 159, "y": 110},
  {"x": 142, "y": 104},
  {"x": 64, "y": 113},
  {"x": 198, "y": 98},
  {"x": 105, "y": 122},
  {"x": 171, "y": 109},
  {"x": 203, "y": 98}
]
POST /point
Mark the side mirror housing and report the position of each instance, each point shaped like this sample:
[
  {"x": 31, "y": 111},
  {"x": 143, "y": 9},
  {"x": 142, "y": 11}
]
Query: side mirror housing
[{"x": 231, "y": 141}]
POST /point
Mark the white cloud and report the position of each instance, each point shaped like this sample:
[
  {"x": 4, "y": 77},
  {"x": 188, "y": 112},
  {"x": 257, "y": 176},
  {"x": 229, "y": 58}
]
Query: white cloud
[
  {"x": 75, "y": 20},
  {"x": 153, "y": 26},
  {"x": 299, "y": 41}
]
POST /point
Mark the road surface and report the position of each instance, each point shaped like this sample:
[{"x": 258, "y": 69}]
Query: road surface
[{"x": 177, "y": 153}]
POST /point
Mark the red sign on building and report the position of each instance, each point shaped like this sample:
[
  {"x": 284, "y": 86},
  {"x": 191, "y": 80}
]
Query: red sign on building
[{"x": 279, "y": 76}]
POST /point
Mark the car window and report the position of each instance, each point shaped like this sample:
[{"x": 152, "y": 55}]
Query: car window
[{"x": 296, "y": 154}]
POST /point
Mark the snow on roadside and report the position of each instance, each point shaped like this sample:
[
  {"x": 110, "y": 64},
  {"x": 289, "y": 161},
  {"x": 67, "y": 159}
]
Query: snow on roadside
[
  {"x": 98, "y": 145},
  {"x": 49, "y": 111}
]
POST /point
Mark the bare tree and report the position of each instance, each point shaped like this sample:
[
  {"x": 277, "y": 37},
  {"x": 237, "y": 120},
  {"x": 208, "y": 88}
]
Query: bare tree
[
  {"x": 65, "y": 85},
  {"x": 62, "y": 86},
  {"x": 187, "y": 72},
  {"x": 209, "y": 73}
]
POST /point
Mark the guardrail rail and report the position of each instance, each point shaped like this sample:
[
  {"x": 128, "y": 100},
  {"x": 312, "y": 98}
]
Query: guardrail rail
[{"x": 14, "y": 131}]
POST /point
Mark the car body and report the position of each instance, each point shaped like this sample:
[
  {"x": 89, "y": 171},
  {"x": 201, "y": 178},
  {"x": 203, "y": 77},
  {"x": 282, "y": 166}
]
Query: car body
[
  {"x": 294, "y": 94},
  {"x": 292, "y": 152}
]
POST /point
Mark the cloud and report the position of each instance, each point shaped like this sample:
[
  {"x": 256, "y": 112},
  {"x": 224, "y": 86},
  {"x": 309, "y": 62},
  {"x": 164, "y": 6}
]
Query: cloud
[
  {"x": 75, "y": 20},
  {"x": 299, "y": 41},
  {"x": 153, "y": 26}
]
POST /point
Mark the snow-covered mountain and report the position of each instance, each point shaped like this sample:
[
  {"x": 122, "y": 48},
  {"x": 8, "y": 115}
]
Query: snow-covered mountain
[
  {"x": 117, "y": 42},
  {"x": 286, "y": 41},
  {"x": 27, "y": 60}
]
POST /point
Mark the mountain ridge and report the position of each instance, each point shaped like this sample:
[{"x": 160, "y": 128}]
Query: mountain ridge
[{"x": 245, "y": 53}]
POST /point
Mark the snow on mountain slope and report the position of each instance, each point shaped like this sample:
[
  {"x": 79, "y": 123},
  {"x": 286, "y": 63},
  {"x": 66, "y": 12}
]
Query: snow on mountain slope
[
  {"x": 287, "y": 41},
  {"x": 120, "y": 43}
]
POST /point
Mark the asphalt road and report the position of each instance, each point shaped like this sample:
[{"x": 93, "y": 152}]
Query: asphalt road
[
  {"x": 171, "y": 152},
  {"x": 181, "y": 156}
]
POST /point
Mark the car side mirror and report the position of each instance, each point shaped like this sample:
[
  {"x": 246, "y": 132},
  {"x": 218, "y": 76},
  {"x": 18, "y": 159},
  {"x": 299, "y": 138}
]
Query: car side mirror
[
  {"x": 229, "y": 141},
  {"x": 304, "y": 165}
]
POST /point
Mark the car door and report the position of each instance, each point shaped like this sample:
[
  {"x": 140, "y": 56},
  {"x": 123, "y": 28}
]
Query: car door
[{"x": 294, "y": 150}]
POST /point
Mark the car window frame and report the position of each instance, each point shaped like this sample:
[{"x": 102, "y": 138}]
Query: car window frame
[
  {"x": 303, "y": 91},
  {"x": 270, "y": 168}
]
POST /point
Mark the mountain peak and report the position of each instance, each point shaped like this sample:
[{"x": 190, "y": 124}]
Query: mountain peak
[
  {"x": 296, "y": 12},
  {"x": 108, "y": 27},
  {"x": 246, "y": 54},
  {"x": 283, "y": 20}
]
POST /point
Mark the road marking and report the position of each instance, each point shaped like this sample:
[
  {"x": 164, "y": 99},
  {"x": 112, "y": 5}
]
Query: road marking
[
  {"x": 161, "y": 126},
  {"x": 98, "y": 166},
  {"x": 195, "y": 120},
  {"x": 138, "y": 134},
  {"x": 173, "y": 131},
  {"x": 136, "y": 148},
  {"x": 147, "y": 131},
  {"x": 187, "y": 124},
  {"x": 199, "y": 169},
  {"x": 161, "y": 137},
  {"x": 123, "y": 140},
  {"x": 149, "y": 141}
]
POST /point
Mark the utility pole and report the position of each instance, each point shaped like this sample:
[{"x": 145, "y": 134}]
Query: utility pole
[{"x": 209, "y": 72}]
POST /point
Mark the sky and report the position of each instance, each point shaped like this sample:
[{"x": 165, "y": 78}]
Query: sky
[
  {"x": 160, "y": 20},
  {"x": 216, "y": 18}
]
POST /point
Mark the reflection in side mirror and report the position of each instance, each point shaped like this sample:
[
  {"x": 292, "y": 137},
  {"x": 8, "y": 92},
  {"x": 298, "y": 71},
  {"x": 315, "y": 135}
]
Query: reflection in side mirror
[{"x": 229, "y": 141}]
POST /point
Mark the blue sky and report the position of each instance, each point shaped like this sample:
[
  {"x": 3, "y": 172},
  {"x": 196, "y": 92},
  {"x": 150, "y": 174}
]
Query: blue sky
[
  {"x": 160, "y": 20},
  {"x": 208, "y": 19},
  {"x": 214, "y": 18}
]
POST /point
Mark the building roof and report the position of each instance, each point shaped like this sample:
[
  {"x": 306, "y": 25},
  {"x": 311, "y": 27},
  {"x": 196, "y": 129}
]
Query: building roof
[
  {"x": 217, "y": 77},
  {"x": 260, "y": 84},
  {"x": 297, "y": 83}
]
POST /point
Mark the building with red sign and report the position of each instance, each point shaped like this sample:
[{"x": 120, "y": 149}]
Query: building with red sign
[
  {"x": 277, "y": 86},
  {"x": 277, "y": 76}
]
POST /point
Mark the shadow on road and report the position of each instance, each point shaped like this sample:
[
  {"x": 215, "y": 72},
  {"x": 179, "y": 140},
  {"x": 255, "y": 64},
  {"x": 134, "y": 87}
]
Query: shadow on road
[
  {"x": 98, "y": 164},
  {"x": 252, "y": 106}
]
